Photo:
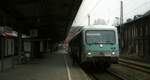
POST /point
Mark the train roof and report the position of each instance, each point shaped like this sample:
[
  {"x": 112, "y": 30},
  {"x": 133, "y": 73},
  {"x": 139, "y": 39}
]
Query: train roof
[{"x": 99, "y": 27}]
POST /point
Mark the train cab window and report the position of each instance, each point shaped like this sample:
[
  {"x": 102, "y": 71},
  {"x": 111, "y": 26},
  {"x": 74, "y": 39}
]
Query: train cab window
[{"x": 100, "y": 36}]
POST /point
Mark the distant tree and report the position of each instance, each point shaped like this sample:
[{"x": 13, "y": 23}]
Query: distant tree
[
  {"x": 129, "y": 20},
  {"x": 137, "y": 16},
  {"x": 99, "y": 22},
  {"x": 147, "y": 13},
  {"x": 116, "y": 21}
]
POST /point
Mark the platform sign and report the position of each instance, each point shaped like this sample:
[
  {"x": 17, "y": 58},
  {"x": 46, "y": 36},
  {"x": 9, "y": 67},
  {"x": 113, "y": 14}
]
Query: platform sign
[
  {"x": 27, "y": 46},
  {"x": 7, "y": 32}
]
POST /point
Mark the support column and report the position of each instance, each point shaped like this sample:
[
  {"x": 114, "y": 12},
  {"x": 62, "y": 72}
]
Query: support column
[
  {"x": 47, "y": 48},
  {"x": 13, "y": 52},
  {"x": 3, "y": 44},
  {"x": 19, "y": 46},
  {"x": 2, "y": 54},
  {"x": 32, "y": 46}
]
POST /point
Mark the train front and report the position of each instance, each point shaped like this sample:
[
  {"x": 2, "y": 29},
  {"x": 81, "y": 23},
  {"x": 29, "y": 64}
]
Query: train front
[{"x": 101, "y": 46}]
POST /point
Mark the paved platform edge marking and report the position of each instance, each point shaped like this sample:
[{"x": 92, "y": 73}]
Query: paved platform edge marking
[{"x": 67, "y": 68}]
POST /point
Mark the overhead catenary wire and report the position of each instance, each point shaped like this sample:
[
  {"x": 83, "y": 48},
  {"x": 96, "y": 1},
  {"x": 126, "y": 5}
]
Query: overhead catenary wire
[
  {"x": 90, "y": 11},
  {"x": 98, "y": 2},
  {"x": 139, "y": 7}
]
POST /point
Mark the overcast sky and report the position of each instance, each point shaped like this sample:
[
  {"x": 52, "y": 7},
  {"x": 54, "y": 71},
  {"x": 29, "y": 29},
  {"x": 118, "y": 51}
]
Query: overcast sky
[{"x": 108, "y": 10}]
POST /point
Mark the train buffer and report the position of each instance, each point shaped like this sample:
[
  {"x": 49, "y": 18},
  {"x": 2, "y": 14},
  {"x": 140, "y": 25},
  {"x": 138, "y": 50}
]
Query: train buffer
[{"x": 56, "y": 66}]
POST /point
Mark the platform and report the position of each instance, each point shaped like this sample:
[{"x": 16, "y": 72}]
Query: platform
[{"x": 56, "y": 66}]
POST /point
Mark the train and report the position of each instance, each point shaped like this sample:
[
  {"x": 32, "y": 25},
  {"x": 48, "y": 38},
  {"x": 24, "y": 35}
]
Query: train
[{"x": 96, "y": 44}]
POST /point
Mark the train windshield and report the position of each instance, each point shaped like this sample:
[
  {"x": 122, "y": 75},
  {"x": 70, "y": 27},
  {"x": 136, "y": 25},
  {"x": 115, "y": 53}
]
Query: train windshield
[{"x": 100, "y": 36}]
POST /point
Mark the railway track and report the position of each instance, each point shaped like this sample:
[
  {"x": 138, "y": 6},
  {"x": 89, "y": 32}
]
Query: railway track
[
  {"x": 113, "y": 74},
  {"x": 136, "y": 66},
  {"x": 108, "y": 74},
  {"x": 118, "y": 75}
]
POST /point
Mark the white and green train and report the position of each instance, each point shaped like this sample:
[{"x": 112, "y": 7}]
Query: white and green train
[{"x": 97, "y": 43}]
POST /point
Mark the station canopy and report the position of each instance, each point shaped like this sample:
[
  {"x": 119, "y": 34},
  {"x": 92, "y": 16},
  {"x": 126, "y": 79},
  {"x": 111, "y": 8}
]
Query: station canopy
[{"x": 51, "y": 18}]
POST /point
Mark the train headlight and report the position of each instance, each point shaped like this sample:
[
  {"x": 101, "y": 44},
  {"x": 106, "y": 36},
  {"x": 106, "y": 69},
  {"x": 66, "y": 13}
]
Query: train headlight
[
  {"x": 113, "y": 53},
  {"x": 101, "y": 45},
  {"x": 89, "y": 53}
]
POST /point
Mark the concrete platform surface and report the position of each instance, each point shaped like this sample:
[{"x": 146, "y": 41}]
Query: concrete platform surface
[{"x": 53, "y": 67}]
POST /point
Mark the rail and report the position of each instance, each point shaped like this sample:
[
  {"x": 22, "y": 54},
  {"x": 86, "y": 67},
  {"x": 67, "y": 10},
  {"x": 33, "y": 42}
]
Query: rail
[
  {"x": 118, "y": 75},
  {"x": 135, "y": 65},
  {"x": 100, "y": 74}
]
